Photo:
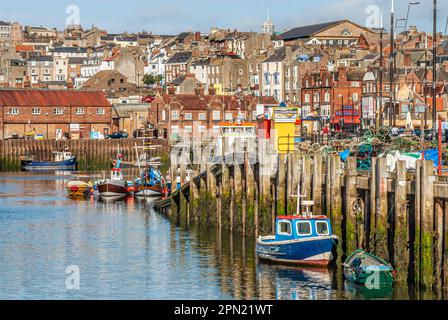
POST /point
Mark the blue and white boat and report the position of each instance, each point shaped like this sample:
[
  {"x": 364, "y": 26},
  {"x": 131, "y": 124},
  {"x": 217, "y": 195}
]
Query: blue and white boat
[
  {"x": 305, "y": 239},
  {"x": 299, "y": 240},
  {"x": 63, "y": 160}
]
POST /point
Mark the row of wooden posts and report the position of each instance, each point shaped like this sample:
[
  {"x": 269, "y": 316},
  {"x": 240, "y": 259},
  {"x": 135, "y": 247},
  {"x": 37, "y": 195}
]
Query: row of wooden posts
[
  {"x": 91, "y": 155},
  {"x": 400, "y": 216}
]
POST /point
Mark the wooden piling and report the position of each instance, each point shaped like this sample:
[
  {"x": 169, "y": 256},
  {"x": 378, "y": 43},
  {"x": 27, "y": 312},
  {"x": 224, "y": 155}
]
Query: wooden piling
[
  {"x": 351, "y": 205},
  {"x": 382, "y": 213},
  {"x": 317, "y": 183},
  {"x": 401, "y": 236},
  {"x": 427, "y": 225}
]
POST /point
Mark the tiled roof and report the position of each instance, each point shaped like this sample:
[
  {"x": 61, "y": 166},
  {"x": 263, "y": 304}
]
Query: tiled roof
[
  {"x": 24, "y": 48},
  {"x": 48, "y": 98}
]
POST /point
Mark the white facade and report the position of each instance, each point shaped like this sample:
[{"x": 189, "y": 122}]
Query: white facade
[
  {"x": 272, "y": 79},
  {"x": 200, "y": 72}
]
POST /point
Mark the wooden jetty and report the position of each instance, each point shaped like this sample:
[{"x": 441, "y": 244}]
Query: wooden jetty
[{"x": 401, "y": 216}]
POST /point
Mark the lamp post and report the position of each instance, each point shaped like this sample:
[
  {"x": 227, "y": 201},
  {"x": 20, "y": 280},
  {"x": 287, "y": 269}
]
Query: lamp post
[{"x": 412, "y": 3}]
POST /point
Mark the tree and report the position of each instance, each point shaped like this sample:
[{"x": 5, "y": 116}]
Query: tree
[{"x": 150, "y": 79}]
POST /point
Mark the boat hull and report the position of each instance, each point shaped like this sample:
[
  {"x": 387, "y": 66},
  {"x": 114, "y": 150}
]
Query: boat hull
[
  {"x": 113, "y": 189},
  {"x": 150, "y": 192},
  {"x": 77, "y": 191},
  {"x": 30, "y": 165},
  {"x": 372, "y": 276},
  {"x": 317, "y": 251}
]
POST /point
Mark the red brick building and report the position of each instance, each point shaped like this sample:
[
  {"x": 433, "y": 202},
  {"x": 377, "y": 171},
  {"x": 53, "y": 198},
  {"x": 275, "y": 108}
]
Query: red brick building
[
  {"x": 53, "y": 113},
  {"x": 194, "y": 114},
  {"x": 333, "y": 96}
]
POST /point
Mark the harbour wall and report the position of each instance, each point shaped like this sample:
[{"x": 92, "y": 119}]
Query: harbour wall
[
  {"x": 400, "y": 215},
  {"x": 91, "y": 155}
]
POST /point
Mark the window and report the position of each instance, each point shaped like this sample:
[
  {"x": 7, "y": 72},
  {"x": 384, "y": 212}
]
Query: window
[
  {"x": 284, "y": 228},
  {"x": 188, "y": 116},
  {"x": 188, "y": 129},
  {"x": 175, "y": 115},
  {"x": 322, "y": 228},
  {"x": 79, "y": 111},
  {"x": 307, "y": 97},
  {"x": 58, "y": 111},
  {"x": 100, "y": 112},
  {"x": 202, "y": 116},
  {"x": 327, "y": 97},
  {"x": 216, "y": 115},
  {"x": 35, "y": 111},
  {"x": 355, "y": 96},
  {"x": 163, "y": 115},
  {"x": 229, "y": 116},
  {"x": 201, "y": 129},
  {"x": 303, "y": 228},
  {"x": 174, "y": 129},
  {"x": 13, "y": 111}
]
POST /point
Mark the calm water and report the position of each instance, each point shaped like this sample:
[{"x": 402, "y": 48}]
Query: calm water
[{"x": 127, "y": 250}]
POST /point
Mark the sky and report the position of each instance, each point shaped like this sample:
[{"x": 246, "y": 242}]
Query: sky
[{"x": 174, "y": 16}]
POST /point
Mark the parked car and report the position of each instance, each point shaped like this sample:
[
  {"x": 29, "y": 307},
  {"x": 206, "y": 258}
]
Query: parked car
[{"x": 117, "y": 135}]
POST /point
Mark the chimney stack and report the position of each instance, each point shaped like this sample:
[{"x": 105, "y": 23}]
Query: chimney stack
[{"x": 171, "y": 89}]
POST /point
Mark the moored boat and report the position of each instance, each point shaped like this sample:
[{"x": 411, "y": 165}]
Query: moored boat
[
  {"x": 302, "y": 240},
  {"x": 116, "y": 187},
  {"x": 79, "y": 186},
  {"x": 62, "y": 160},
  {"x": 364, "y": 268},
  {"x": 149, "y": 184}
]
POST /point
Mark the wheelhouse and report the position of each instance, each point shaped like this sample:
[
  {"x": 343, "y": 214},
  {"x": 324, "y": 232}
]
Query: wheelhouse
[{"x": 298, "y": 227}]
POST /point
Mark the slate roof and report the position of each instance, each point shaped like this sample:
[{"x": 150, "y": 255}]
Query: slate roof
[
  {"x": 180, "y": 57},
  {"x": 41, "y": 58},
  {"x": 3, "y": 23},
  {"x": 307, "y": 31},
  {"x": 182, "y": 36},
  {"x": 70, "y": 50},
  {"x": 279, "y": 54}
]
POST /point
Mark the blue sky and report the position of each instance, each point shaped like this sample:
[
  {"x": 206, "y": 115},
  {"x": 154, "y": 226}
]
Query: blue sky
[{"x": 174, "y": 16}]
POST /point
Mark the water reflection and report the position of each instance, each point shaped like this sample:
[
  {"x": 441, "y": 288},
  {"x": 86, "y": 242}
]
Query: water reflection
[
  {"x": 294, "y": 283},
  {"x": 127, "y": 250}
]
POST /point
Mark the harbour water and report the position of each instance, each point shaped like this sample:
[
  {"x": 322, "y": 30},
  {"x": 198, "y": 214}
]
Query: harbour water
[{"x": 127, "y": 250}]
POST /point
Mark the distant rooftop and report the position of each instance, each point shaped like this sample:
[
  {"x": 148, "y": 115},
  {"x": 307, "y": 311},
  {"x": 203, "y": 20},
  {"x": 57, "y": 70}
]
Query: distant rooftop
[{"x": 180, "y": 57}]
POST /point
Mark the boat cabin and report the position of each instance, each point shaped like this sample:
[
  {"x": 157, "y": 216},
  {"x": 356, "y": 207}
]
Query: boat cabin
[
  {"x": 298, "y": 227},
  {"x": 61, "y": 155},
  {"x": 116, "y": 174}
]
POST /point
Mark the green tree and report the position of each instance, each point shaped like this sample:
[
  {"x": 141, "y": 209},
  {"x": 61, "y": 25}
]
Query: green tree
[{"x": 150, "y": 79}]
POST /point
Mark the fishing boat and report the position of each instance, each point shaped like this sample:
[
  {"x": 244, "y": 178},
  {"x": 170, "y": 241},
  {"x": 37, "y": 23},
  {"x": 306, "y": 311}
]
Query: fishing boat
[
  {"x": 116, "y": 187},
  {"x": 364, "y": 268},
  {"x": 149, "y": 184},
  {"x": 304, "y": 239},
  {"x": 79, "y": 186},
  {"x": 62, "y": 160}
]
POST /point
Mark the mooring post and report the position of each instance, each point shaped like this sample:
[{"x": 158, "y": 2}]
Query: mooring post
[
  {"x": 317, "y": 183},
  {"x": 416, "y": 224},
  {"x": 351, "y": 200},
  {"x": 370, "y": 218},
  {"x": 306, "y": 178},
  {"x": 336, "y": 197},
  {"x": 281, "y": 184},
  {"x": 382, "y": 223},
  {"x": 400, "y": 252},
  {"x": 438, "y": 244},
  {"x": 427, "y": 223},
  {"x": 328, "y": 186}
]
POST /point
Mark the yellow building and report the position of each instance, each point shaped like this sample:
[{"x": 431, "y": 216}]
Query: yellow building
[{"x": 284, "y": 123}]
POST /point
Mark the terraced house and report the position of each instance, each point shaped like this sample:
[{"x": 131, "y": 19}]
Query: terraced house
[{"x": 53, "y": 114}]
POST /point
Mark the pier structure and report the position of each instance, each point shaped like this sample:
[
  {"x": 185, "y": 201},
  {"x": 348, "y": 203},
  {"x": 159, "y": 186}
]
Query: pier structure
[{"x": 400, "y": 215}]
